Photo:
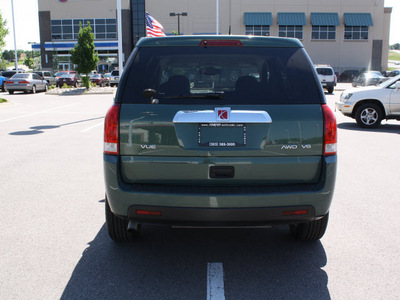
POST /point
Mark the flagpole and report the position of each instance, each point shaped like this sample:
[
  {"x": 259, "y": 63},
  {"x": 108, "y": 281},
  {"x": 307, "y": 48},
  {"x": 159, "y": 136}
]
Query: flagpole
[
  {"x": 120, "y": 64},
  {"x": 217, "y": 17}
]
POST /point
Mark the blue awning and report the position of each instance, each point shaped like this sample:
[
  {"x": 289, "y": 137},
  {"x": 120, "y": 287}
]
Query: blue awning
[
  {"x": 258, "y": 18},
  {"x": 292, "y": 19},
  {"x": 325, "y": 19},
  {"x": 358, "y": 19}
]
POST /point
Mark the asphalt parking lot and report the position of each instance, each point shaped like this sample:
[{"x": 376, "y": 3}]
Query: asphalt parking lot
[{"x": 54, "y": 242}]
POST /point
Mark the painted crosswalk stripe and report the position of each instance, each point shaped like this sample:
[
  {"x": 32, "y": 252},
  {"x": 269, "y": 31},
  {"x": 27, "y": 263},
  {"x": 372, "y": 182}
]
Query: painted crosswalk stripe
[{"x": 215, "y": 281}]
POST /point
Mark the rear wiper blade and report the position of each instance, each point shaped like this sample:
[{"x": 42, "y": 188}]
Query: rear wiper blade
[{"x": 198, "y": 96}]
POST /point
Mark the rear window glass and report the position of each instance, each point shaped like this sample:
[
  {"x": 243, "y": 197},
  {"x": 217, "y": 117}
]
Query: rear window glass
[
  {"x": 324, "y": 71},
  {"x": 21, "y": 76},
  {"x": 221, "y": 75}
]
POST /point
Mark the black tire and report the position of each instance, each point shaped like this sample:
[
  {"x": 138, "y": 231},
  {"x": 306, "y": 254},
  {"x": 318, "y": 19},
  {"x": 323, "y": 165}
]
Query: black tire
[
  {"x": 330, "y": 90},
  {"x": 354, "y": 84},
  {"x": 369, "y": 115},
  {"x": 11, "y": 92},
  {"x": 311, "y": 231},
  {"x": 117, "y": 227}
]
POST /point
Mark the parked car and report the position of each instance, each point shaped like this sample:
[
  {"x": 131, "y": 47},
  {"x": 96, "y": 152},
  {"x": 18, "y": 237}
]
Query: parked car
[
  {"x": 327, "y": 77},
  {"x": 114, "y": 81},
  {"x": 368, "y": 78},
  {"x": 60, "y": 73},
  {"x": 394, "y": 73},
  {"x": 349, "y": 75},
  {"x": 186, "y": 146},
  {"x": 370, "y": 105},
  {"x": 99, "y": 80},
  {"x": 26, "y": 82},
  {"x": 2, "y": 83},
  {"x": 8, "y": 74},
  {"x": 71, "y": 79},
  {"x": 48, "y": 76}
]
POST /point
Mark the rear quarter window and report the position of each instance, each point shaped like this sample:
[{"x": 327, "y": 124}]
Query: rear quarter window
[{"x": 221, "y": 75}]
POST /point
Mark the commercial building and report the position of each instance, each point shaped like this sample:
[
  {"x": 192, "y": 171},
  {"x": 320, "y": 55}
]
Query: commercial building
[{"x": 347, "y": 34}]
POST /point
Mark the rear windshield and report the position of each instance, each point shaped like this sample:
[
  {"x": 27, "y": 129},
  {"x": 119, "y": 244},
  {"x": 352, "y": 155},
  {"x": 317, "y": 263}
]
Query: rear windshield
[
  {"x": 221, "y": 75},
  {"x": 324, "y": 71},
  {"x": 21, "y": 76}
]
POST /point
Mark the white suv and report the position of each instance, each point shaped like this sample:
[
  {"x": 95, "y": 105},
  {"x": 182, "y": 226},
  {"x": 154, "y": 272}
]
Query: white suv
[
  {"x": 327, "y": 77},
  {"x": 114, "y": 78},
  {"x": 370, "y": 105}
]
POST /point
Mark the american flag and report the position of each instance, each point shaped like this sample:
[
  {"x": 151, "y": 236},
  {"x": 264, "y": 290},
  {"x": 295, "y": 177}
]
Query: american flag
[{"x": 153, "y": 28}]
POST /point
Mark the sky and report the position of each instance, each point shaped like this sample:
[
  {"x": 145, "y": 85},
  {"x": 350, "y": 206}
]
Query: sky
[{"x": 27, "y": 22}]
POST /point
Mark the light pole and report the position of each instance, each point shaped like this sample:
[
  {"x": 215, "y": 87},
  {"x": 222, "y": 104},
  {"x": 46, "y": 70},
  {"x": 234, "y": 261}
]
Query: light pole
[
  {"x": 15, "y": 42},
  {"x": 183, "y": 14}
]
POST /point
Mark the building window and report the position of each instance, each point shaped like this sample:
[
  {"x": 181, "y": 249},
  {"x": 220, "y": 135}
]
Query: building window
[
  {"x": 257, "y": 30},
  {"x": 323, "y": 33},
  {"x": 356, "y": 32},
  {"x": 291, "y": 31},
  {"x": 103, "y": 29}
]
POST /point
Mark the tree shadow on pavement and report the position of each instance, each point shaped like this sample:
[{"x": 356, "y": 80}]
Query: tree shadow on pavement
[{"x": 172, "y": 264}]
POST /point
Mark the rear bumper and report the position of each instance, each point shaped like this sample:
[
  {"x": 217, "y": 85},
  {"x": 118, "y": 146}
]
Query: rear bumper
[
  {"x": 184, "y": 216},
  {"x": 18, "y": 87},
  {"x": 193, "y": 205},
  {"x": 328, "y": 84}
]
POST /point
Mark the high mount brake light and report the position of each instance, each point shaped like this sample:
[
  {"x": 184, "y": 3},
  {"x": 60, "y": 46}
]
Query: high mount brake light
[
  {"x": 111, "y": 130},
  {"x": 220, "y": 43},
  {"x": 330, "y": 131}
]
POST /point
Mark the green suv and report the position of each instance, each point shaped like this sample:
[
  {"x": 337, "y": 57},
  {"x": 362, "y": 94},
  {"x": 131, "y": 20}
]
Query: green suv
[{"x": 219, "y": 131}]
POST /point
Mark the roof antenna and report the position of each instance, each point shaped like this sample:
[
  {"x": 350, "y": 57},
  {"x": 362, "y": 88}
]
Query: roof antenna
[{"x": 230, "y": 30}]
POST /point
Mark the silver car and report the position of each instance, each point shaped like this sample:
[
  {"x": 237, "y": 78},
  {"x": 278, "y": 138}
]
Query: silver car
[{"x": 26, "y": 82}]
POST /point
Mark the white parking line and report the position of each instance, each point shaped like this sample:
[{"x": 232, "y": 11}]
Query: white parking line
[
  {"x": 91, "y": 127},
  {"x": 215, "y": 282},
  {"x": 37, "y": 113}
]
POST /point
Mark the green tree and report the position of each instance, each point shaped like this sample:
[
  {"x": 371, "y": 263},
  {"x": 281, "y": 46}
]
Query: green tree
[
  {"x": 84, "y": 54},
  {"x": 29, "y": 63},
  {"x": 3, "y": 33}
]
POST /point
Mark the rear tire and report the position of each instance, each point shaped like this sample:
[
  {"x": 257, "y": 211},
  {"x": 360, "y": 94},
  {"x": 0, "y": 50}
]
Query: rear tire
[
  {"x": 11, "y": 92},
  {"x": 330, "y": 90},
  {"x": 311, "y": 231},
  {"x": 117, "y": 227}
]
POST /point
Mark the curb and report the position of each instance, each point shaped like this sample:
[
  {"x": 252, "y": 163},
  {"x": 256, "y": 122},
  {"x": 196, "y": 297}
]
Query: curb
[{"x": 81, "y": 91}]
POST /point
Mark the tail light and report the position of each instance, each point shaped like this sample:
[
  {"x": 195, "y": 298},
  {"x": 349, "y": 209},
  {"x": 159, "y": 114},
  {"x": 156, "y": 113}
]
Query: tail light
[
  {"x": 8, "y": 82},
  {"x": 220, "y": 43},
  {"x": 24, "y": 81},
  {"x": 330, "y": 131},
  {"x": 111, "y": 132}
]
